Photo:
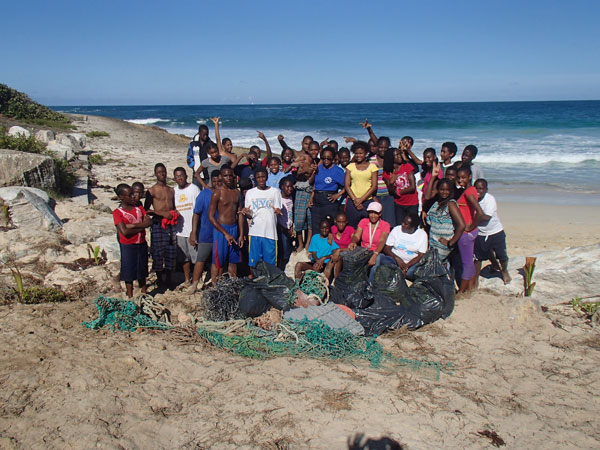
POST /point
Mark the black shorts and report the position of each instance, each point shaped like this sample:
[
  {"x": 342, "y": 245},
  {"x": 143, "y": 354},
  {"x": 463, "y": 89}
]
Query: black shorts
[
  {"x": 484, "y": 245},
  {"x": 134, "y": 262}
]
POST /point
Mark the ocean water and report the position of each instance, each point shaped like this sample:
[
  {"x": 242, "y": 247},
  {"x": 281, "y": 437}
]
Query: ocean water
[{"x": 541, "y": 151}]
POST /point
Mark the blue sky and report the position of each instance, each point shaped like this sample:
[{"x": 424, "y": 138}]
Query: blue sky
[{"x": 236, "y": 52}]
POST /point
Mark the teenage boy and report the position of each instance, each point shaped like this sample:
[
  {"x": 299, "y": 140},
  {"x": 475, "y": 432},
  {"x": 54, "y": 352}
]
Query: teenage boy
[
  {"x": 185, "y": 199},
  {"x": 247, "y": 170},
  {"x": 227, "y": 239},
  {"x": 197, "y": 152},
  {"x": 491, "y": 238},
  {"x": 163, "y": 248},
  {"x": 262, "y": 204},
  {"x": 201, "y": 235},
  {"x": 447, "y": 152},
  {"x": 468, "y": 155}
]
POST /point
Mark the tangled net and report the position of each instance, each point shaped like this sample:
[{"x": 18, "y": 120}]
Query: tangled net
[
  {"x": 313, "y": 284},
  {"x": 300, "y": 339},
  {"x": 123, "y": 315},
  {"x": 221, "y": 302}
]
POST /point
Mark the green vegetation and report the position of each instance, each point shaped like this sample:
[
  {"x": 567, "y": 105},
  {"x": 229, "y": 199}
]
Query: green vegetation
[
  {"x": 94, "y": 134},
  {"x": 46, "y": 123},
  {"x": 97, "y": 160},
  {"x": 20, "y": 143},
  {"x": 591, "y": 310},
  {"x": 37, "y": 294},
  {"x": 528, "y": 268},
  {"x": 19, "y": 106}
]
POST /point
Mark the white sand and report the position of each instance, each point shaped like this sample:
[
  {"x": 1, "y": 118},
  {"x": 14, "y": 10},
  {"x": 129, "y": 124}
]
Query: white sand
[{"x": 530, "y": 375}]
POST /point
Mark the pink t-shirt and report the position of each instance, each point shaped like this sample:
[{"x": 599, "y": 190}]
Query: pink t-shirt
[
  {"x": 374, "y": 230},
  {"x": 346, "y": 238}
]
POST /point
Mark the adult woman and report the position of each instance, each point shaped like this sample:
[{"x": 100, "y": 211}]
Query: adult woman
[
  {"x": 445, "y": 220},
  {"x": 360, "y": 183},
  {"x": 371, "y": 232},
  {"x": 328, "y": 188}
]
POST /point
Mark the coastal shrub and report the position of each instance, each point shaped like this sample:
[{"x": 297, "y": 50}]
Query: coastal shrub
[
  {"x": 94, "y": 134},
  {"x": 96, "y": 160},
  {"x": 65, "y": 179},
  {"x": 20, "y": 143},
  {"x": 46, "y": 123},
  {"x": 19, "y": 106}
]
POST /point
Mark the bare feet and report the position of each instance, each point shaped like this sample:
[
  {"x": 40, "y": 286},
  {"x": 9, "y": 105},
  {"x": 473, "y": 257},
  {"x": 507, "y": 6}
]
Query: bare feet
[{"x": 506, "y": 277}]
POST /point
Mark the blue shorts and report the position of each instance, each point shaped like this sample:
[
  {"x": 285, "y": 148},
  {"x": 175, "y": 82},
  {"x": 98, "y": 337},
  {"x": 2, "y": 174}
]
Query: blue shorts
[
  {"x": 134, "y": 262},
  {"x": 224, "y": 253},
  {"x": 261, "y": 248}
]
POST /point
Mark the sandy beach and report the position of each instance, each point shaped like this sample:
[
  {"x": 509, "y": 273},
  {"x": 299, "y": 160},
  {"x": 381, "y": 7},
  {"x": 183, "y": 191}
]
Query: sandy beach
[{"x": 524, "y": 371}]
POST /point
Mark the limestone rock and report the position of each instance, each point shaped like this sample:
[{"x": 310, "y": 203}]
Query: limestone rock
[
  {"x": 28, "y": 245},
  {"x": 10, "y": 193},
  {"x": 45, "y": 136},
  {"x": 89, "y": 230},
  {"x": 111, "y": 246},
  {"x": 75, "y": 140},
  {"x": 61, "y": 150},
  {"x": 80, "y": 138},
  {"x": 27, "y": 169},
  {"x": 559, "y": 275},
  {"x": 27, "y": 209},
  {"x": 18, "y": 131}
]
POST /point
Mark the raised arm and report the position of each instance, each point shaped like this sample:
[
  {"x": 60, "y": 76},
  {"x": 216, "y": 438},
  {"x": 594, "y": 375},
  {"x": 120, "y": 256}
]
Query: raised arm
[
  {"x": 264, "y": 139},
  {"x": 367, "y": 126},
  {"x": 432, "y": 186},
  {"x": 215, "y": 120}
]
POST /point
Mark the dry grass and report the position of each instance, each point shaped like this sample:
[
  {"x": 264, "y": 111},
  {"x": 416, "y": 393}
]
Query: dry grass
[{"x": 336, "y": 400}]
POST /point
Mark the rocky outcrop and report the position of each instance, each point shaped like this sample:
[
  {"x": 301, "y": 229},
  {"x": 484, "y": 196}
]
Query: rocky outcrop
[
  {"x": 29, "y": 208},
  {"x": 17, "y": 131},
  {"x": 45, "y": 136},
  {"x": 26, "y": 169},
  {"x": 61, "y": 151}
]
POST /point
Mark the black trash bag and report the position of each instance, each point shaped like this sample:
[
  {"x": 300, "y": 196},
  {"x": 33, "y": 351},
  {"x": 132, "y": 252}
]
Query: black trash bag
[
  {"x": 428, "y": 299},
  {"x": 252, "y": 303},
  {"x": 272, "y": 283},
  {"x": 352, "y": 284},
  {"x": 389, "y": 282}
]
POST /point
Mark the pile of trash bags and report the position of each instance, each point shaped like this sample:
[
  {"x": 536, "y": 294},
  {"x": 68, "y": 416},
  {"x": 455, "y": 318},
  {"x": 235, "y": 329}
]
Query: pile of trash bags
[{"x": 387, "y": 303}]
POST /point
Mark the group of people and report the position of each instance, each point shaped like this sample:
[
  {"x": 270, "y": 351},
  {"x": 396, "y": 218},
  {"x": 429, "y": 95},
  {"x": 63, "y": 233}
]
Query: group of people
[{"x": 241, "y": 209}]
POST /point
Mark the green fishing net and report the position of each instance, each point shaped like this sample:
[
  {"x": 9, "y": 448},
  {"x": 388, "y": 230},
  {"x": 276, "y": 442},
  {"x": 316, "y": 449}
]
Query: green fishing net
[{"x": 121, "y": 314}]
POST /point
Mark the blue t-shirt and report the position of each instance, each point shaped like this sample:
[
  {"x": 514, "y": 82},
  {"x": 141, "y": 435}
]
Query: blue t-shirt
[
  {"x": 331, "y": 179},
  {"x": 205, "y": 233},
  {"x": 321, "y": 247},
  {"x": 244, "y": 170},
  {"x": 274, "y": 179}
]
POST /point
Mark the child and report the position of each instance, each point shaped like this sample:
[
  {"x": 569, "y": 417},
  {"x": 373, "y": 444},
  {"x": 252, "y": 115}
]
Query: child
[
  {"x": 275, "y": 175},
  {"x": 201, "y": 235},
  {"x": 160, "y": 198},
  {"x": 262, "y": 204},
  {"x": 471, "y": 213},
  {"x": 131, "y": 222},
  {"x": 468, "y": 155},
  {"x": 491, "y": 236},
  {"x": 400, "y": 182},
  {"x": 320, "y": 251},
  {"x": 185, "y": 199},
  {"x": 287, "y": 158},
  {"x": 138, "y": 192},
  {"x": 360, "y": 183},
  {"x": 285, "y": 222},
  {"x": 344, "y": 157},
  {"x": 215, "y": 161},
  {"x": 447, "y": 152}
]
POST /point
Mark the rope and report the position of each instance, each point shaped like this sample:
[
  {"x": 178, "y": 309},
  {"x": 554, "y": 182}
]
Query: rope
[{"x": 313, "y": 284}]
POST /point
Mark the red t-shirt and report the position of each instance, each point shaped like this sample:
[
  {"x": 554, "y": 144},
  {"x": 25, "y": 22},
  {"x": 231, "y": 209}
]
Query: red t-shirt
[
  {"x": 382, "y": 227},
  {"x": 465, "y": 207},
  {"x": 402, "y": 182},
  {"x": 136, "y": 215},
  {"x": 346, "y": 239}
]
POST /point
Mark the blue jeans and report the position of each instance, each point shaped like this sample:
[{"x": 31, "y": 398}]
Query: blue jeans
[{"x": 385, "y": 260}]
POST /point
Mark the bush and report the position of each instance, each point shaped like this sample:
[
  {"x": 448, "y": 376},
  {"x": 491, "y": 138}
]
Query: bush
[
  {"x": 93, "y": 134},
  {"x": 19, "y": 106},
  {"x": 96, "y": 160},
  {"x": 20, "y": 143}
]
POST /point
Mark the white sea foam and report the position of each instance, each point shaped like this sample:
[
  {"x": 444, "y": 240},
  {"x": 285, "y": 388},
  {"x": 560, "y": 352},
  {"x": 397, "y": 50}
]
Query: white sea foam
[{"x": 147, "y": 121}]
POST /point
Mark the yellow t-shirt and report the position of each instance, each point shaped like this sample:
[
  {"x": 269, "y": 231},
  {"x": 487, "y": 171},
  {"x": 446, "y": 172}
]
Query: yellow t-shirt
[{"x": 361, "y": 179}]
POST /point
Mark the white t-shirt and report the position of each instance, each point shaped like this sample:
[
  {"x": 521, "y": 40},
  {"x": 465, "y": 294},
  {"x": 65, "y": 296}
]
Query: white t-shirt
[
  {"x": 262, "y": 204},
  {"x": 185, "y": 199},
  {"x": 407, "y": 246},
  {"x": 489, "y": 208}
]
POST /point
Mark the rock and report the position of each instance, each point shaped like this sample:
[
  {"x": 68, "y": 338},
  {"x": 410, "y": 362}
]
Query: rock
[
  {"x": 75, "y": 140},
  {"x": 27, "y": 245},
  {"x": 17, "y": 131},
  {"x": 559, "y": 275},
  {"x": 81, "y": 190},
  {"x": 89, "y": 230},
  {"x": 111, "y": 246},
  {"x": 80, "y": 138},
  {"x": 27, "y": 169},
  {"x": 10, "y": 193},
  {"x": 45, "y": 136},
  {"x": 27, "y": 209},
  {"x": 61, "y": 151}
]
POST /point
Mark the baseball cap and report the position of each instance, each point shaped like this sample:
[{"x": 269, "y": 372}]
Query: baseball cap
[{"x": 374, "y": 206}]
